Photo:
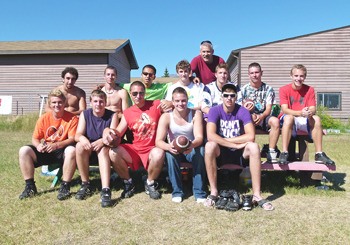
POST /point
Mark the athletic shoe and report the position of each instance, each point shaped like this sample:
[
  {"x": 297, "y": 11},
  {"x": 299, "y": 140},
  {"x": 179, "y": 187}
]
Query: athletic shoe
[
  {"x": 29, "y": 191},
  {"x": 106, "y": 197},
  {"x": 247, "y": 202},
  {"x": 283, "y": 158},
  {"x": 323, "y": 158},
  {"x": 129, "y": 190},
  {"x": 272, "y": 156},
  {"x": 176, "y": 199},
  {"x": 64, "y": 191},
  {"x": 200, "y": 200},
  {"x": 84, "y": 192},
  {"x": 152, "y": 191}
]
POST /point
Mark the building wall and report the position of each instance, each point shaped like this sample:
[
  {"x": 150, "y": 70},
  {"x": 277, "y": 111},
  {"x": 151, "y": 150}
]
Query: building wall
[
  {"x": 326, "y": 56},
  {"x": 26, "y": 77}
]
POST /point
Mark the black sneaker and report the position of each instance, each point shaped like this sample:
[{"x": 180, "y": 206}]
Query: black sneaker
[
  {"x": 129, "y": 190},
  {"x": 247, "y": 202},
  {"x": 271, "y": 156},
  {"x": 106, "y": 197},
  {"x": 84, "y": 192},
  {"x": 323, "y": 158},
  {"x": 29, "y": 191},
  {"x": 283, "y": 158},
  {"x": 152, "y": 191},
  {"x": 64, "y": 191}
]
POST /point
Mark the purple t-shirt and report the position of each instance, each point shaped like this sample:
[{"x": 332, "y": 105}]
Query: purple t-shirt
[{"x": 229, "y": 125}]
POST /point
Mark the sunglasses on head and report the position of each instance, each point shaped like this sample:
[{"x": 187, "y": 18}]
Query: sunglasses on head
[
  {"x": 136, "y": 93},
  {"x": 207, "y": 41},
  {"x": 147, "y": 74},
  {"x": 229, "y": 95}
]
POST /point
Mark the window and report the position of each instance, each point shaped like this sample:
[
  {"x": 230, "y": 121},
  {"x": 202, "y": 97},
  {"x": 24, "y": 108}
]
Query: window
[{"x": 330, "y": 100}]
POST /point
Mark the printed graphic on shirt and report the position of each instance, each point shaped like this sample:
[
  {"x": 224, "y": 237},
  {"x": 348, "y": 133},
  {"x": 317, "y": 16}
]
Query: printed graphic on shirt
[
  {"x": 229, "y": 129},
  {"x": 145, "y": 128},
  {"x": 54, "y": 134}
]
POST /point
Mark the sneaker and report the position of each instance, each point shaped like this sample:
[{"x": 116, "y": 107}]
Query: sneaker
[
  {"x": 176, "y": 199},
  {"x": 152, "y": 191},
  {"x": 129, "y": 190},
  {"x": 323, "y": 158},
  {"x": 272, "y": 156},
  {"x": 64, "y": 191},
  {"x": 200, "y": 200},
  {"x": 283, "y": 158},
  {"x": 29, "y": 191},
  {"x": 84, "y": 192},
  {"x": 247, "y": 202},
  {"x": 106, "y": 197}
]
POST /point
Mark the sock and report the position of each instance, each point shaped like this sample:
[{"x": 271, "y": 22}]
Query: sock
[
  {"x": 150, "y": 182},
  {"x": 30, "y": 182},
  {"x": 271, "y": 149},
  {"x": 319, "y": 152},
  {"x": 85, "y": 183}
]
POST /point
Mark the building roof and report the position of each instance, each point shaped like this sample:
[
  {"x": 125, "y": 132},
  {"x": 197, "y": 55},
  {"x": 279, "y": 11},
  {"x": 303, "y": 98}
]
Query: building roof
[{"x": 69, "y": 47}]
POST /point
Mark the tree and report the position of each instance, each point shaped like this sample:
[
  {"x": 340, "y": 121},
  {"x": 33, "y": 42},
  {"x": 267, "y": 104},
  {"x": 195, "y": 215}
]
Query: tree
[{"x": 166, "y": 72}]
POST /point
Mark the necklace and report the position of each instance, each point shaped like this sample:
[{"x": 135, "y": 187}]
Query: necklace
[{"x": 109, "y": 92}]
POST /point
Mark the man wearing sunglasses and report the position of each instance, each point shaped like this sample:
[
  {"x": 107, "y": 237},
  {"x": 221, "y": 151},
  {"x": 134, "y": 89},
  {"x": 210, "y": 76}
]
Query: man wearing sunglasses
[
  {"x": 231, "y": 137},
  {"x": 205, "y": 63},
  {"x": 142, "y": 119}
]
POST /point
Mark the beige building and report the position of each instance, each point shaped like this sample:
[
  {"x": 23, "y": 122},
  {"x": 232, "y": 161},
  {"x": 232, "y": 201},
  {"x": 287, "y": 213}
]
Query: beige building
[
  {"x": 326, "y": 55},
  {"x": 29, "y": 69}
]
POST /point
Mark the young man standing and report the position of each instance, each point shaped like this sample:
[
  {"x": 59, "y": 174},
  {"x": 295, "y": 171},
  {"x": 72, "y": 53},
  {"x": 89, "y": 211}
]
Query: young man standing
[
  {"x": 263, "y": 97},
  {"x": 183, "y": 121},
  {"x": 117, "y": 98},
  {"x": 52, "y": 143},
  {"x": 91, "y": 148},
  {"x": 231, "y": 138},
  {"x": 205, "y": 63},
  {"x": 194, "y": 91},
  {"x": 298, "y": 105},
  {"x": 142, "y": 119},
  {"x": 75, "y": 96}
]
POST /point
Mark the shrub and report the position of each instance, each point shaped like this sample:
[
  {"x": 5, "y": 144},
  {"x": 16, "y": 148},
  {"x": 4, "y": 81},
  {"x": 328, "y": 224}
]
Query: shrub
[{"x": 327, "y": 120}]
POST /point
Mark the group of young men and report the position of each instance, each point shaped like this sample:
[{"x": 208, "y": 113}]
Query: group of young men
[{"x": 216, "y": 115}]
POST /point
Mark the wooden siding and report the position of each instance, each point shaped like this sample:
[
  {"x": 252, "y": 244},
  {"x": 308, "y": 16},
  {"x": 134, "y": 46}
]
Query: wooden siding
[
  {"x": 25, "y": 81},
  {"x": 326, "y": 55}
]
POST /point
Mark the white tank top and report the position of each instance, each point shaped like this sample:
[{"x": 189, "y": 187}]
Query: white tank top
[{"x": 176, "y": 130}]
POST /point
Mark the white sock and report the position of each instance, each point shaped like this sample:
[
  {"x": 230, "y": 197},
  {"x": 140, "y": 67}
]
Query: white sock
[{"x": 150, "y": 182}]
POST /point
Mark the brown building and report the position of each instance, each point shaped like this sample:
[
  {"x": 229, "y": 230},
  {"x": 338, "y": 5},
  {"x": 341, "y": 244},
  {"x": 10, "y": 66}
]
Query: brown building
[
  {"x": 29, "y": 69},
  {"x": 325, "y": 54}
]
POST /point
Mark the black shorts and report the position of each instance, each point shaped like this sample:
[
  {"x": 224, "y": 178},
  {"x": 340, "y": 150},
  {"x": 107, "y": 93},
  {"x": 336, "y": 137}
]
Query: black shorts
[
  {"x": 55, "y": 157},
  {"x": 230, "y": 156}
]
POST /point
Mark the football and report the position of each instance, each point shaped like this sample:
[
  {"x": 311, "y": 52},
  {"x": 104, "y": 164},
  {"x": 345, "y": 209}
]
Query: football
[
  {"x": 249, "y": 104},
  {"x": 181, "y": 143}
]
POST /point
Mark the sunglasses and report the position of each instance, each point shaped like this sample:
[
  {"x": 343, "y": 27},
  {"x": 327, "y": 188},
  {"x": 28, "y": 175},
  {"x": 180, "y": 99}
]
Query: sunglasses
[
  {"x": 207, "y": 41},
  {"x": 147, "y": 74},
  {"x": 229, "y": 95},
  {"x": 136, "y": 93}
]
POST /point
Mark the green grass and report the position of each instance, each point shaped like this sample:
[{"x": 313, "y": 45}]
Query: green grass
[{"x": 302, "y": 215}]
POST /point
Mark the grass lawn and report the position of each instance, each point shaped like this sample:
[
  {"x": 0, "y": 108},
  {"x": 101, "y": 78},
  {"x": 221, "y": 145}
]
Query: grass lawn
[{"x": 302, "y": 215}]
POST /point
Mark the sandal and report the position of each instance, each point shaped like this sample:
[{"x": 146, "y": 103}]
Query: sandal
[
  {"x": 222, "y": 199},
  {"x": 210, "y": 201},
  {"x": 231, "y": 205},
  {"x": 264, "y": 204}
]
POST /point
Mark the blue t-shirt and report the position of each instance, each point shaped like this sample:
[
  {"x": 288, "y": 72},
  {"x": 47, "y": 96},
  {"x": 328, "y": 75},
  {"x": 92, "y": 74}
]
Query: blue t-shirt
[
  {"x": 96, "y": 125},
  {"x": 232, "y": 124}
]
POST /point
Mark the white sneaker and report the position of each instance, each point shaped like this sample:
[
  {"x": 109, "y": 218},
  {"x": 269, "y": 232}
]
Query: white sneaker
[
  {"x": 176, "y": 199},
  {"x": 272, "y": 156},
  {"x": 201, "y": 200}
]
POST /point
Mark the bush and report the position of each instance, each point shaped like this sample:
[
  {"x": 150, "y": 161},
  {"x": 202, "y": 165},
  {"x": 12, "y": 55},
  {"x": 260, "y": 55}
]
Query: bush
[
  {"x": 18, "y": 123},
  {"x": 327, "y": 120}
]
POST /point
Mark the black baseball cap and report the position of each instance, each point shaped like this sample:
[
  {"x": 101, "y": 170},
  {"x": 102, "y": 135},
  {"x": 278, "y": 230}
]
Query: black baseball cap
[{"x": 230, "y": 86}]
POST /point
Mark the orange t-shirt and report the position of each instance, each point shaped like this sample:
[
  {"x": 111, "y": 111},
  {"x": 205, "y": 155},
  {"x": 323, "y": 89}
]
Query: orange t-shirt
[{"x": 55, "y": 130}]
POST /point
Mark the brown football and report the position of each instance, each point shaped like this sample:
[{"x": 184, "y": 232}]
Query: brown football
[{"x": 181, "y": 143}]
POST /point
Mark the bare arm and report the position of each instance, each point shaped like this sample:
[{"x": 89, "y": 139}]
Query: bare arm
[{"x": 162, "y": 130}]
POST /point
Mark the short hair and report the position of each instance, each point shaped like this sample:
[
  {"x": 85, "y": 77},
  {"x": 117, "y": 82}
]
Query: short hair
[
  {"x": 137, "y": 83},
  {"x": 207, "y": 44},
  {"x": 221, "y": 66},
  {"x": 110, "y": 67},
  {"x": 254, "y": 64},
  {"x": 70, "y": 70},
  {"x": 179, "y": 90},
  {"x": 184, "y": 65},
  {"x": 56, "y": 93},
  {"x": 298, "y": 67},
  {"x": 98, "y": 93},
  {"x": 151, "y": 67}
]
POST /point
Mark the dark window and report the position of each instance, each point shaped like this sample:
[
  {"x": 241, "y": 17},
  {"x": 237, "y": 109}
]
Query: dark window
[{"x": 330, "y": 100}]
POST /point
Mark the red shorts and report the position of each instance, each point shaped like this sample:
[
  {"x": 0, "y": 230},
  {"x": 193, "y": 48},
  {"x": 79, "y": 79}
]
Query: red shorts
[{"x": 138, "y": 159}]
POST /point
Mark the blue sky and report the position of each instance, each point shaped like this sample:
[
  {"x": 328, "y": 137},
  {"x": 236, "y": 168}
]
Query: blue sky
[{"x": 162, "y": 32}]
